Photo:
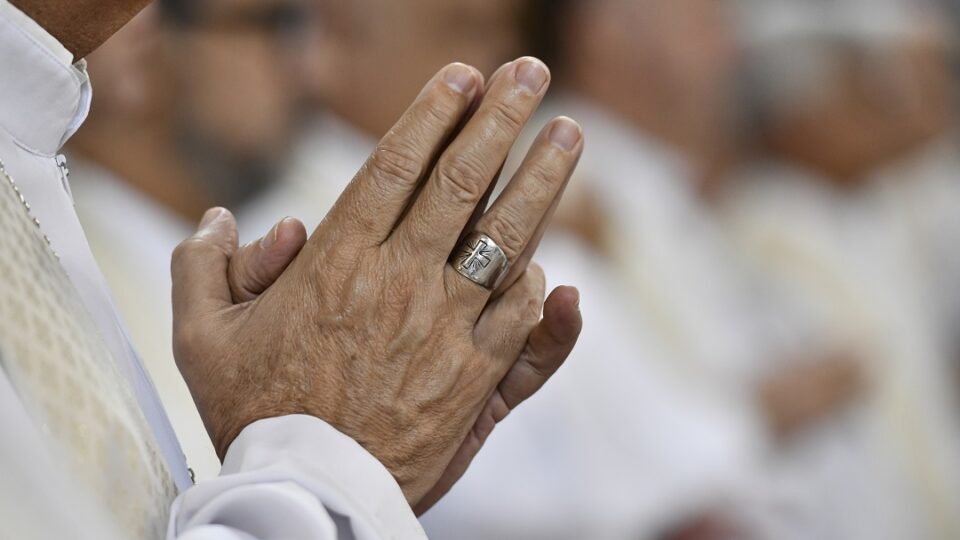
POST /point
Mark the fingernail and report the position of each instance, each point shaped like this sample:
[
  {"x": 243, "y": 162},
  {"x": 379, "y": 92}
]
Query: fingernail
[
  {"x": 531, "y": 75},
  {"x": 211, "y": 216},
  {"x": 460, "y": 78},
  {"x": 565, "y": 134},
  {"x": 576, "y": 302},
  {"x": 271, "y": 236}
]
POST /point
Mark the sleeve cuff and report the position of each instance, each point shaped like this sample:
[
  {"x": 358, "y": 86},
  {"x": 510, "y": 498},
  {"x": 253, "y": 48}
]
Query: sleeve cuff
[{"x": 346, "y": 480}]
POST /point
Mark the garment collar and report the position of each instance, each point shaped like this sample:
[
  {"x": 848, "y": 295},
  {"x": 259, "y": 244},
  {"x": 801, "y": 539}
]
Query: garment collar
[{"x": 44, "y": 96}]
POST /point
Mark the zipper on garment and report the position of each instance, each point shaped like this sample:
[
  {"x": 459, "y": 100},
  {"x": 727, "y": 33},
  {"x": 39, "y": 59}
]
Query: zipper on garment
[{"x": 61, "y": 161}]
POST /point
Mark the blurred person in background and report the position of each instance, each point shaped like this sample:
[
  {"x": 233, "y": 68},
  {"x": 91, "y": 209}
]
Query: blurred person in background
[
  {"x": 196, "y": 106},
  {"x": 646, "y": 202},
  {"x": 933, "y": 197},
  {"x": 369, "y": 58},
  {"x": 846, "y": 216}
]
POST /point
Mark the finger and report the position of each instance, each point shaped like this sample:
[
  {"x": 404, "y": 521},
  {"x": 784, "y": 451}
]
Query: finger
[
  {"x": 549, "y": 345},
  {"x": 504, "y": 326},
  {"x": 255, "y": 266},
  {"x": 468, "y": 166},
  {"x": 199, "y": 267},
  {"x": 378, "y": 195},
  {"x": 519, "y": 264},
  {"x": 478, "y": 98},
  {"x": 519, "y": 216},
  {"x": 484, "y": 201}
]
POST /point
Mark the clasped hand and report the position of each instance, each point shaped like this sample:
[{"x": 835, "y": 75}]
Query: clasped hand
[{"x": 364, "y": 325}]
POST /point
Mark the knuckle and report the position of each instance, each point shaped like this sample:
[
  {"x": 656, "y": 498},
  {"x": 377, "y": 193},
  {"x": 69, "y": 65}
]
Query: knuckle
[
  {"x": 508, "y": 115},
  {"x": 439, "y": 111},
  {"x": 507, "y": 232},
  {"x": 463, "y": 179},
  {"x": 540, "y": 183},
  {"x": 391, "y": 161},
  {"x": 532, "y": 310}
]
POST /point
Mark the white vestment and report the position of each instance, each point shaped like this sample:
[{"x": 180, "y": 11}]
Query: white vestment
[
  {"x": 135, "y": 260},
  {"x": 87, "y": 450},
  {"x": 848, "y": 273},
  {"x": 925, "y": 195}
]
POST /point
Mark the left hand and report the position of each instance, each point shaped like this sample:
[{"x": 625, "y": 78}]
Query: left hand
[{"x": 254, "y": 267}]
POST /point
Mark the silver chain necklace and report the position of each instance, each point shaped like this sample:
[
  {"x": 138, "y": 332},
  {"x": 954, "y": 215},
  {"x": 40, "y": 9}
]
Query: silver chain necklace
[
  {"x": 61, "y": 163},
  {"x": 26, "y": 205}
]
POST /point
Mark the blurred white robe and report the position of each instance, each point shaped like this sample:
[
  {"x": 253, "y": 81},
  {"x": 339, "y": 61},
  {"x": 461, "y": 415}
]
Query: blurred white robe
[
  {"x": 844, "y": 271},
  {"x": 135, "y": 260},
  {"x": 925, "y": 195}
]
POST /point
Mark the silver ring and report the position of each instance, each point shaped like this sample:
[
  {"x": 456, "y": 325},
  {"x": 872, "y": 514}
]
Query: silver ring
[{"x": 481, "y": 260}]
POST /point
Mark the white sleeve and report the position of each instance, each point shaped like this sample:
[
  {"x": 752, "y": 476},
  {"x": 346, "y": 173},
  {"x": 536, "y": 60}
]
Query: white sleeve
[{"x": 295, "y": 477}]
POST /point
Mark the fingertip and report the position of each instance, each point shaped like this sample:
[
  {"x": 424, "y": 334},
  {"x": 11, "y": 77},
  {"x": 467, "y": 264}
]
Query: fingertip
[
  {"x": 461, "y": 78},
  {"x": 216, "y": 217},
  {"x": 534, "y": 60},
  {"x": 565, "y": 133},
  {"x": 499, "y": 72},
  {"x": 532, "y": 74},
  {"x": 561, "y": 311},
  {"x": 219, "y": 227},
  {"x": 286, "y": 233},
  {"x": 566, "y": 295},
  {"x": 291, "y": 231},
  {"x": 210, "y": 216}
]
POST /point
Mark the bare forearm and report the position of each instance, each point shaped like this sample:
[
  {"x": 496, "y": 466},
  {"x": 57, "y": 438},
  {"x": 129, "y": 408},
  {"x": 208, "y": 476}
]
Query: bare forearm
[{"x": 81, "y": 25}]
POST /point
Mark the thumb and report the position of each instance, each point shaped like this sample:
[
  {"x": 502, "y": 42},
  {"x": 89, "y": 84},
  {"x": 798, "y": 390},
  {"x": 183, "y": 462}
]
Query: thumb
[
  {"x": 199, "y": 267},
  {"x": 255, "y": 266}
]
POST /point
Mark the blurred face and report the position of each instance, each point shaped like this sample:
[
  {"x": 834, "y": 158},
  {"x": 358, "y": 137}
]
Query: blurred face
[
  {"x": 874, "y": 109},
  {"x": 687, "y": 42},
  {"x": 383, "y": 51},
  {"x": 232, "y": 76},
  {"x": 671, "y": 62}
]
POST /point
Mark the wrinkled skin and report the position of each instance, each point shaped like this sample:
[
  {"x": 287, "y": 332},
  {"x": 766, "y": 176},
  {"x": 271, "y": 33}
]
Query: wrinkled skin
[{"x": 364, "y": 324}]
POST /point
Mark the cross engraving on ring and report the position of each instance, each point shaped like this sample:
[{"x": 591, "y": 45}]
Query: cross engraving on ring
[{"x": 476, "y": 258}]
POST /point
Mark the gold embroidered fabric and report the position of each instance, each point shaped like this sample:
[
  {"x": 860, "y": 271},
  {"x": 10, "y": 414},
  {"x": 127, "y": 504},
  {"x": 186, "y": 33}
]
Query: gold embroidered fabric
[{"x": 67, "y": 380}]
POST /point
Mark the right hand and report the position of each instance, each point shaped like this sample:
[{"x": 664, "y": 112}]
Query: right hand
[{"x": 368, "y": 328}]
